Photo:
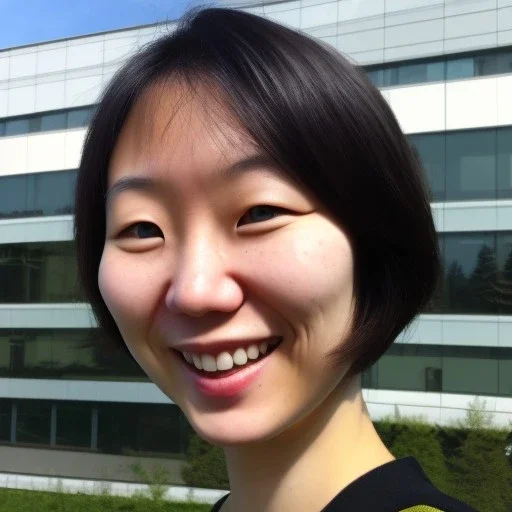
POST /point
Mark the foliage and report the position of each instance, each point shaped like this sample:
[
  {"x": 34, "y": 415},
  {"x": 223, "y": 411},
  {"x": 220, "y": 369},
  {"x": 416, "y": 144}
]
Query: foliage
[
  {"x": 14, "y": 500},
  {"x": 206, "y": 466},
  {"x": 157, "y": 479}
]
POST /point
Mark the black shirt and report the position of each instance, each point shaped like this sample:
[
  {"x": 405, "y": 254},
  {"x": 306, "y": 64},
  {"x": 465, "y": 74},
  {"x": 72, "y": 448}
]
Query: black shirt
[{"x": 392, "y": 487}]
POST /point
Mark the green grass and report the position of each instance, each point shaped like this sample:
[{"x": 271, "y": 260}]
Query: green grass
[{"x": 12, "y": 500}]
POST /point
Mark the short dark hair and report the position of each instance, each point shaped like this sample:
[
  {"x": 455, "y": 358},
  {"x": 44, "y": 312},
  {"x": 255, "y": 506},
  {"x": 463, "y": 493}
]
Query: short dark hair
[{"x": 320, "y": 119}]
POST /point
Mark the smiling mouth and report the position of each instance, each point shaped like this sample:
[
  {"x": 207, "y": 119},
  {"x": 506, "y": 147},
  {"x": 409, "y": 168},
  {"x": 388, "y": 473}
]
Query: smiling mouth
[{"x": 227, "y": 363}]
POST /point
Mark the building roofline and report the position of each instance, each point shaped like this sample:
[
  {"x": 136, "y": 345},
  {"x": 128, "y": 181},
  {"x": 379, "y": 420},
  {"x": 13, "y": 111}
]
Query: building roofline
[{"x": 92, "y": 34}]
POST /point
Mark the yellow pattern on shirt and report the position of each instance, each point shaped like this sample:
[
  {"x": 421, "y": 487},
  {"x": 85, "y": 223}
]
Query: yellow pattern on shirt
[{"x": 421, "y": 508}]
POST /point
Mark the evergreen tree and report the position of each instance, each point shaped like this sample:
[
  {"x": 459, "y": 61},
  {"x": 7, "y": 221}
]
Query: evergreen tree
[
  {"x": 457, "y": 287},
  {"x": 504, "y": 287},
  {"x": 482, "y": 282}
]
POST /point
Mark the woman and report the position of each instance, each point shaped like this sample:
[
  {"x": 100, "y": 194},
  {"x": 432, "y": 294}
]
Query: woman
[{"x": 251, "y": 223}]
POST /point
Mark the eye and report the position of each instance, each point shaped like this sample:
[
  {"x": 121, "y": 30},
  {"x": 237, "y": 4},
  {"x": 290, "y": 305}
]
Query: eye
[
  {"x": 260, "y": 213},
  {"x": 142, "y": 230}
]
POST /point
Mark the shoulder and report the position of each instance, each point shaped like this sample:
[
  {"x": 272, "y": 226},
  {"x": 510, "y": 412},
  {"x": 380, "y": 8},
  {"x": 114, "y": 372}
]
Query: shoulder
[{"x": 398, "y": 486}]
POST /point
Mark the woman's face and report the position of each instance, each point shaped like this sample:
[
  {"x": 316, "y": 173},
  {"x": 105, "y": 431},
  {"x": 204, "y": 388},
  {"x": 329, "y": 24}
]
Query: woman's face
[{"x": 211, "y": 249}]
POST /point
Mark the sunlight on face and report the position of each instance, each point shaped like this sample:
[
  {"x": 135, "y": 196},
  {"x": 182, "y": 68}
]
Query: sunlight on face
[{"x": 209, "y": 243}]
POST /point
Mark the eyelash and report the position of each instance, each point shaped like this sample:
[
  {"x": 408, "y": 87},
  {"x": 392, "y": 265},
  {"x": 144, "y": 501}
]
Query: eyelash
[{"x": 276, "y": 211}]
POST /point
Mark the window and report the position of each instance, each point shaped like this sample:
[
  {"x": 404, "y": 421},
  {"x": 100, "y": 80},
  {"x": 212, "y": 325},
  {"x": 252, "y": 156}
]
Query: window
[
  {"x": 5, "y": 421},
  {"x": 63, "y": 354},
  {"x": 38, "y": 194},
  {"x": 439, "y": 368},
  {"x": 46, "y": 121},
  {"x": 33, "y": 422},
  {"x": 504, "y": 157},
  {"x": 471, "y": 165},
  {"x": 430, "y": 149},
  {"x": 417, "y": 71},
  {"x": 74, "y": 425},
  {"x": 470, "y": 269}
]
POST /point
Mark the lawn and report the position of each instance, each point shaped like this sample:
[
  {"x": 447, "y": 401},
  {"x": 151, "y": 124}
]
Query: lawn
[{"x": 12, "y": 500}]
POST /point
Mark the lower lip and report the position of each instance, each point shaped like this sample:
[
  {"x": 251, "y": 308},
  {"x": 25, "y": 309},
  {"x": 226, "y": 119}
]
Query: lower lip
[{"x": 231, "y": 385}]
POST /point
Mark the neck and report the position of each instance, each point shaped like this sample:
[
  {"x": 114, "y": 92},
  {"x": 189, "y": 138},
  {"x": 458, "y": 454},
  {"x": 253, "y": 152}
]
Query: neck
[{"x": 306, "y": 466}]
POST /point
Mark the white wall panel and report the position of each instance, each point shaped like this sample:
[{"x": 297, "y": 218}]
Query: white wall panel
[
  {"x": 505, "y": 19},
  {"x": 3, "y": 102},
  {"x": 455, "y": 7},
  {"x": 370, "y": 57},
  {"x": 504, "y": 216},
  {"x": 43, "y": 316},
  {"x": 119, "y": 48},
  {"x": 471, "y": 104},
  {"x": 13, "y": 155},
  {"x": 412, "y": 33},
  {"x": 51, "y": 61},
  {"x": 23, "y": 65},
  {"x": 50, "y": 96},
  {"x": 419, "y": 108},
  {"x": 505, "y": 332},
  {"x": 467, "y": 43},
  {"x": 470, "y": 24},
  {"x": 411, "y": 5},
  {"x": 4, "y": 68},
  {"x": 270, "y": 8},
  {"x": 82, "y": 54},
  {"x": 504, "y": 99},
  {"x": 95, "y": 391},
  {"x": 319, "y": 15},
  {"x": 21, "y": 100},
  {"x": 431, "y": 48},
  {"x": 360, "y": 9},
  {"x": 504, "y": 3},
  {"x": 289, "y": 18},
  {"x": 361, "y": 41},
  {"x": 36, "y": 229},
  {"x": 470, "y": 216},
  {"x": 46, "y": 151},
  {"x": 505, "y": 37},
  {"x": 408, "y": 14},
  {"x": 83, "y": 91},
  {"x": 73, "y": 148},
  {"x": 472, "y": 331}
]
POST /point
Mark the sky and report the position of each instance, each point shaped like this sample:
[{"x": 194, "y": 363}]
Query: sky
[{"x": 34, "y": 21}]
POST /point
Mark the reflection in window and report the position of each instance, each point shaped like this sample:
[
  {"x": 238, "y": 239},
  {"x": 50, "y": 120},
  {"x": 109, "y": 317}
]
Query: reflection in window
[
  {"x": 471, "y": 164},
  {"x": 142, "y": 429},
  {"x": 38, "y": 272},
  {"x": 484, "y": 63},
  {"x": 47, "y": 121},
  {"x": 504, "y": 158},
  {"x": 5, "y": 421},
  {"x": 63, "y": 354},
  {"x": 38, "y": 194},
  {"x": 440, "y": 368},
  {"x": 73, "y": 425},
  {"x": 33, "y": 422},
  {"x": 430, "y": 148}
]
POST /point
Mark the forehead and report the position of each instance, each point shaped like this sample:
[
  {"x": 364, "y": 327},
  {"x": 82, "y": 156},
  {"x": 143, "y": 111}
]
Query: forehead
[{"x": 174, "y": 126}]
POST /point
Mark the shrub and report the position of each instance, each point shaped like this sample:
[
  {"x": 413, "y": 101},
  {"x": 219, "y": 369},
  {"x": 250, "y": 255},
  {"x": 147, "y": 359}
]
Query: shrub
[{"x": 206, "y": 466}]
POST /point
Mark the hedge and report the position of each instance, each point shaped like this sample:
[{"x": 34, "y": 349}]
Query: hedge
[{"x": 473, "y": 464}]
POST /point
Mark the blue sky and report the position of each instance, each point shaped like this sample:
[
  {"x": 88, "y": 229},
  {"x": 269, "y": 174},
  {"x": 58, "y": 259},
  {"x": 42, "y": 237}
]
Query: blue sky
[{"x": 33, "y": 21}]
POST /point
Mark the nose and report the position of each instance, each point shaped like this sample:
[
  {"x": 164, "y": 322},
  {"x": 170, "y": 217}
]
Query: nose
[{"x": 203, "y": 281}]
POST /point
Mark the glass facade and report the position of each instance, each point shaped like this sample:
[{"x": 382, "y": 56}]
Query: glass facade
[
  {"x": 47, "y": 121},
  {"x": 467, "y": 165},
  {"x": 38, "y": 272},
  {"x": 437, "y": 69},
  {"x": 477, "y": 277},
  {"x": 38, "y": 194},
  {"x": 125, "y": 429},
  {"x": 439, "y": 368},
  {"x": 63, "y": 354}
]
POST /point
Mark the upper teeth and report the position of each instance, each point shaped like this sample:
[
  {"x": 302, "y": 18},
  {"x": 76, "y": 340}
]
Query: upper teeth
[{"x": 226, "y": 360}]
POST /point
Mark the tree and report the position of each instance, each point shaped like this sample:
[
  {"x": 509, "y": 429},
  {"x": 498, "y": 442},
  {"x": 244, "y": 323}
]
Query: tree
[{"x": 482, "y": 282}]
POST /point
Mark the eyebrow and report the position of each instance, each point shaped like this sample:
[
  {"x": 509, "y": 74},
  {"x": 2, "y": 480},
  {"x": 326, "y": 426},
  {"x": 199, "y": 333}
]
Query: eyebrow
[{"x": 143, "y": 183}]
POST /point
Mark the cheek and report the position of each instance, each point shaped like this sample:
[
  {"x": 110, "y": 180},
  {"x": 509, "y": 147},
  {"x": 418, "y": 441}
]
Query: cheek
[
  {"x": 129, "y": 292},
  {"x": 313, "y": 267}
]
